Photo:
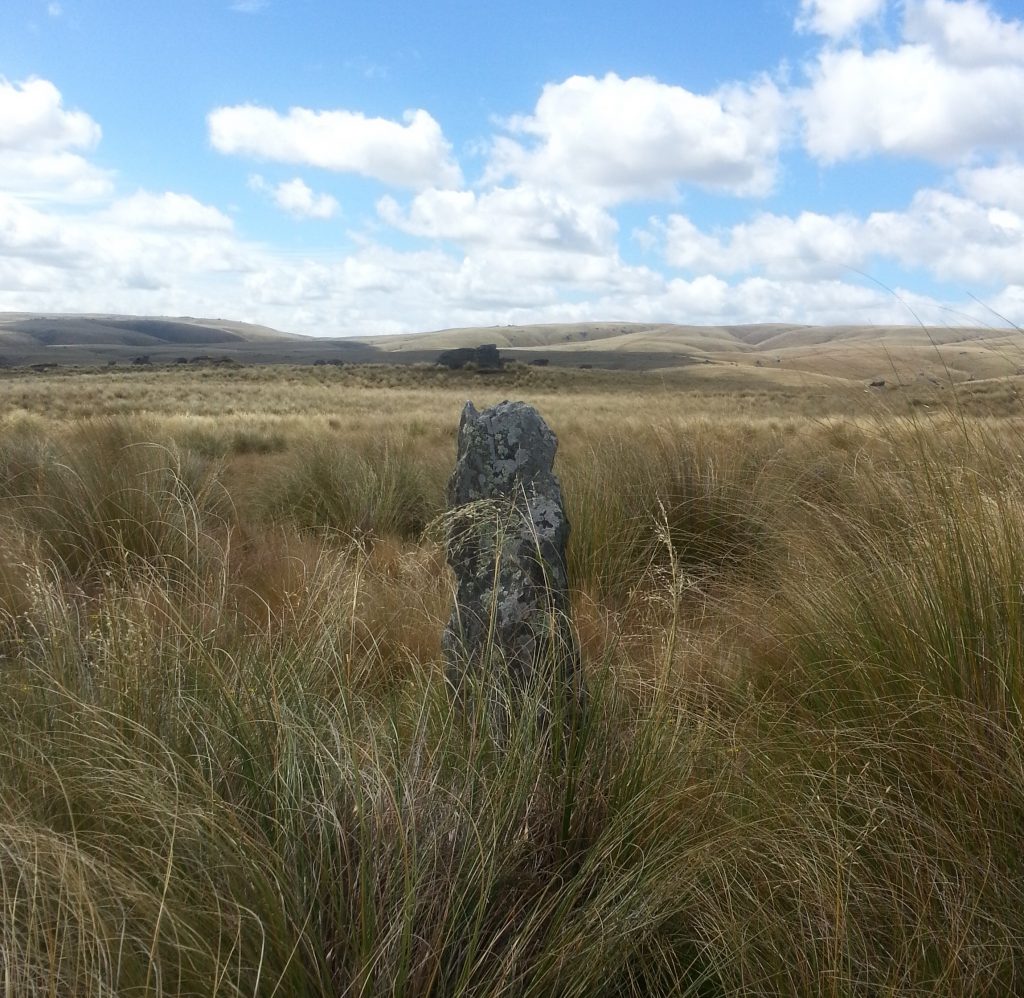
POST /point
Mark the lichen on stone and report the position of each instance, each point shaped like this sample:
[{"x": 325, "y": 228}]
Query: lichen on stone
[{"x": 506, "y": 543}]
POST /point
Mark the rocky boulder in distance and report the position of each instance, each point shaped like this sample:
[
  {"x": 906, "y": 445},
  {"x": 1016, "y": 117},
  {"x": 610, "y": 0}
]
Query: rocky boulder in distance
[{"x": 484, "y": 357}]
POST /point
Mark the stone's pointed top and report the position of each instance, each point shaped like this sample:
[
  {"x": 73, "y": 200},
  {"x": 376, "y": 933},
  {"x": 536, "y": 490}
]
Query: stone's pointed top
[{"x": 502, "y": 450}]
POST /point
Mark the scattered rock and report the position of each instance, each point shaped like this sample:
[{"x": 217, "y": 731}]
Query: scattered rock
[
  {"x": 457, "y": 358},
  {"x": 506, "y": 542},
  {"x": 486, "y": 358}
]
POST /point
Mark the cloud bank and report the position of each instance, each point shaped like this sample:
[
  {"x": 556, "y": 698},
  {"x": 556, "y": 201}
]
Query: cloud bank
[{"x": 537, "y": 220}]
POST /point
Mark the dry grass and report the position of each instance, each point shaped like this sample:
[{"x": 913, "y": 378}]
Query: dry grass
[
  {"x": 363, "y": 395},
  {"x": 228, "y": 764}
]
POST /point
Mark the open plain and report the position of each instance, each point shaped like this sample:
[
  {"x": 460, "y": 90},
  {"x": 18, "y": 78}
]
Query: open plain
[{"x": 228, "y": 760}]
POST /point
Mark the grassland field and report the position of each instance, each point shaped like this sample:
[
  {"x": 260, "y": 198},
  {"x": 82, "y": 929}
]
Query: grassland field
[{"x": 228, "y": 760}]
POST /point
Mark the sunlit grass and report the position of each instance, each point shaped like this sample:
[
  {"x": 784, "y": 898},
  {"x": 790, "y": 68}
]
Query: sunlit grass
[{"x": 229, "y": 763}]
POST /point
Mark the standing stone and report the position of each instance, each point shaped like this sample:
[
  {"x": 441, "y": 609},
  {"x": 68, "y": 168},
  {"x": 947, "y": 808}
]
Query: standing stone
[{"x": 506, "y": 540}]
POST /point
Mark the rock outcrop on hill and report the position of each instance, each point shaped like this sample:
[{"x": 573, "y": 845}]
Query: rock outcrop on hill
[{"x": 485, "y": 357}]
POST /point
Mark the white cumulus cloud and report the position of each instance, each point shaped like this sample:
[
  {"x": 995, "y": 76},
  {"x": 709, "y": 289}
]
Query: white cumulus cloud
[
  {"x": 809, "y": 245},
  {"x": 90, "y": 260},
  {"x": 954, "y": 237},
  {"x": 618, "y": 139},
  {"x": 1010, "y": 303},
  {"x": 973, "y": 235},
  {"x": 99, "y": 262},
  {"x": 410, "y": 154},
  {"x": 964, "y": 32},
  {"x": 520, "y": 216},
  {"x": 538, "y": 239},
  {"x": 144, "y": 210},
  {"x": 836, "y": 18},
  {"x": 33, "y": 119},
  {"x": 37, "y": 138},
  {"x": 33, "y": 236},
  {"x": 297, "y": 198},
  {"x": 953, "y": 87},
  {"x": 56, "y": 176},
  {"x": 1001, "y": 185}
]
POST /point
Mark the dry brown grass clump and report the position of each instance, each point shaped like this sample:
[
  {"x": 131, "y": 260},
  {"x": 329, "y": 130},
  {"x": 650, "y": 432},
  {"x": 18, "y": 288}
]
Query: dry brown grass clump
[{"x": 229, "y": 765}]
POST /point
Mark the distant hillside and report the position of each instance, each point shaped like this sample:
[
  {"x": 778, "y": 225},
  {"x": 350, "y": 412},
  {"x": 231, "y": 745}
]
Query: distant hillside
[
  {"x": 759, "y": 354},
  {"x": 134, "y": 331},
  {"x": 673, "y": 337},
  {"x": 34, "y": 338},
  {"x": 513, "y": 337},
  {"x": 895, "y": 354}
]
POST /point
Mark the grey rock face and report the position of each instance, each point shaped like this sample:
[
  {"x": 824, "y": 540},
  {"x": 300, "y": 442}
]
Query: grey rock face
[
  {"x": 486, "y": 358},
  {"x": 506, "y": 541},
  {"x": 456, "y": 358}
]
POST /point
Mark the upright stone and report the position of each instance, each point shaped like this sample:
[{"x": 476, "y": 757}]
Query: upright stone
[{"x": 506, "y": 541}]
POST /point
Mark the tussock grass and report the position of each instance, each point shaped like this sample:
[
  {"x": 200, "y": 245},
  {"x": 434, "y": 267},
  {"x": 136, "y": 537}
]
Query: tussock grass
[
  {"x": 107, "y": 495},
  {"x": 229, "y": 763},
  {"x": 919, "y": 588},
  {"x": 701, "y": 494},
  {"x": 386, "y": 487}
]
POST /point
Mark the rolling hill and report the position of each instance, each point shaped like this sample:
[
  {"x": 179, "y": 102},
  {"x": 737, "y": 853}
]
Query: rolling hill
[
  {"x": 780, "y": 353},
  {"x": 896, "y": 354},
  {"x": 61, "y": 338}
]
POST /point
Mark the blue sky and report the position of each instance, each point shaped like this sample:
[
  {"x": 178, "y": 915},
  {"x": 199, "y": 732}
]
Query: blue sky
[{"x": 338, "y": 168}]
